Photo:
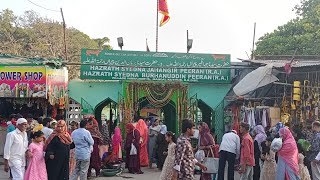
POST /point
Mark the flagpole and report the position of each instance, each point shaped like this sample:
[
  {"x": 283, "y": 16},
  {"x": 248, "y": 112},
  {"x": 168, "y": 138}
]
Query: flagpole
[{"x": 157, "y": 26}]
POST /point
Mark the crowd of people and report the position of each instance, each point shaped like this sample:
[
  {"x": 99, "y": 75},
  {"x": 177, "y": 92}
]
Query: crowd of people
[
  {"x": 282, "y": 153},
  {"x": 48, "y": 149}
]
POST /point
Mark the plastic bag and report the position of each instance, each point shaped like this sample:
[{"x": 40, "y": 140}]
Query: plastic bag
[
  {"x": 276, "y": 144},
  {"x": 200, "y": 155},
  {"x": 133, "y": 150}
]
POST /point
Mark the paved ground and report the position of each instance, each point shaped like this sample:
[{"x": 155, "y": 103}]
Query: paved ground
[{"x": 149, "y": 174}]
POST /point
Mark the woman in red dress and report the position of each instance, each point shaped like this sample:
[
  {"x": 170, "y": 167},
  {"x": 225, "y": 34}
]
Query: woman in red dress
[{"x": 143, "y": 130}]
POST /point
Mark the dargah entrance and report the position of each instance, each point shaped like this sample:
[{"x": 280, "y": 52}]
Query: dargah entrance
[{"x": 168, "y": 86}]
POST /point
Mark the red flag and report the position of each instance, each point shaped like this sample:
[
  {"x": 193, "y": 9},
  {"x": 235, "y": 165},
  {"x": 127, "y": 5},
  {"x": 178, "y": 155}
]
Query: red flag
[
  {"x": 163, "y": 9},
  {"x": 288, "y": 68}
]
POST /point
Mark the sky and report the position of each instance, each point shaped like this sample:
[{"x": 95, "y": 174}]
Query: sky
[{"x": 216, "y": 26}]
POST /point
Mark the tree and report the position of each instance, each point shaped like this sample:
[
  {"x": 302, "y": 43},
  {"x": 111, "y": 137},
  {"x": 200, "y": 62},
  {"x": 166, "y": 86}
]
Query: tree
[
  {"x": 32, "y": 35},
  {"x": 301, "y": 34},
  {"x": 103, "y": 43}
]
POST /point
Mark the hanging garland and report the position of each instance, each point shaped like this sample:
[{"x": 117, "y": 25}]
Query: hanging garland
[
  {"x": 157, "y": 94},
  {"x": 155, "y": 101}
]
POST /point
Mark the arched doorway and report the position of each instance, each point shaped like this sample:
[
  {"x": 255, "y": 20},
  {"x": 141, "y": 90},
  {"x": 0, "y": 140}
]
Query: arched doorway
[
  {"x": 169, "y": 113},
  {"x": 107, "y": 111},
  {"x": 206, "y": 113}
]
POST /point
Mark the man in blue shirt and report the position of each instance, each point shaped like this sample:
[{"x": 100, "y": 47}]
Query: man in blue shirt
[{"x": 83, "y": 146}]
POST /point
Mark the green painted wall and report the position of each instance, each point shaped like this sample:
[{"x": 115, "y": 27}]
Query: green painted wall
[
  {"x": 211, "y": 94},
  {"x": 94, "y": 92}
]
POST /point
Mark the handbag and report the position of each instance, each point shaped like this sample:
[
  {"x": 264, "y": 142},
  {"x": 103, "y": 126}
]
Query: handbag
[
  {"x": 133, "y": 150},
  {"x": 200, "y": 155},
  {"x": 211, "y": 163},
  {"x": 276, "y": 144}
]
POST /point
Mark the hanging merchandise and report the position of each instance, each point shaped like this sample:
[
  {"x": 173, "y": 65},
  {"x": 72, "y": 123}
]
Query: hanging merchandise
[
  {"x": 264, "y": 118},
  {"x": 293, "y": 105},
  {"x": 274, "y": 115},
  {"x": 297, "y": 91}
]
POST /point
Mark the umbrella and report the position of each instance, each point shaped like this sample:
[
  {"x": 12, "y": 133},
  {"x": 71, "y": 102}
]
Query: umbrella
[{"x": 255, "y": 79}]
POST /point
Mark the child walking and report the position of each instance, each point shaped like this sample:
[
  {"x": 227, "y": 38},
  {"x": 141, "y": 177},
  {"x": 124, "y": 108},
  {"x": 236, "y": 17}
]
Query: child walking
[
  {"x": 269, "y": 166},
  {"x": 37, "y": 166},
  {"x": 167, "y": 169},
  {"x": 303, "y": 170}
]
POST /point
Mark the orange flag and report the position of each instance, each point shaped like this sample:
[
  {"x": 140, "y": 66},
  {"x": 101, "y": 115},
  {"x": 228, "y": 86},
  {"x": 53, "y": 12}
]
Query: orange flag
[{"x": 163, "y": 9}]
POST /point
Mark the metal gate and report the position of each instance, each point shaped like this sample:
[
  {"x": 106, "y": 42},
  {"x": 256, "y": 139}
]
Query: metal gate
[{"x": 193, "y": 108}]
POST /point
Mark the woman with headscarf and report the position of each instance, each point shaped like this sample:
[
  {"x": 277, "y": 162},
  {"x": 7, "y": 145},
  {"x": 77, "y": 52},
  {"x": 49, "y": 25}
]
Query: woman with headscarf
[
  {"x": 132, "y": 161},
  {"x": 206, "y": 143},
  {"x": 106, "y": 140},
  {"x": 117, "y": 143},
  {"x": 161, "y": 147},
  {"x": 260, "y": 137},
  {"x": 95, "y": 160},
  {"x": 287, "y": 167},
  {"x": 143, "y": 130},
  {"x": 153, "y": 132},
  {"x": 57, "y": 150}
]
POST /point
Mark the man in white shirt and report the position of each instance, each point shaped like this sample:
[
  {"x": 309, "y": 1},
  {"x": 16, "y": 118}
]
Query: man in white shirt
[
  {"x": 16, "y": 149},
  {"x": 46, "y": 130},
  {"x": 229, "y": 151}
]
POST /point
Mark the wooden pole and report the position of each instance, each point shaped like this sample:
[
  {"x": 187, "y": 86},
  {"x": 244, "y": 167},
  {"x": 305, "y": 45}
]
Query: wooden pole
[
  {"x": 253, "y": 42},
  {"x": 157, "y": 26},
  {"x": 64, "y": 35},
  {"x": 187, "y": 40}
]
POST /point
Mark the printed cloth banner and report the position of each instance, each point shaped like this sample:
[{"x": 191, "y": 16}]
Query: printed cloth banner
[
  {"x": 19, "y": 81},
  {"x": 57, "y": 86}
]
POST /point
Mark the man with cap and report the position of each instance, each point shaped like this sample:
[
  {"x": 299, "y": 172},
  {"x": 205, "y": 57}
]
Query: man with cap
[
  {"x": 229, "y": 151},
  {"x": 16, "y": 149}
]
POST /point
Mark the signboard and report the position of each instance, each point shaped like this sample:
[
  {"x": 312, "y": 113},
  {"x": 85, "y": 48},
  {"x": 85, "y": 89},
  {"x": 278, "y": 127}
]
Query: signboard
[
  {"x": 135, "y": 65},
  {"x": 22, "y": 81},
  {"x": 57, "y": 86}
]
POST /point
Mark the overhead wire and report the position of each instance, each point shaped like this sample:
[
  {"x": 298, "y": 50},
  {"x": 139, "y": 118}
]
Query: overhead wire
[{"x": 43, "y": 7}]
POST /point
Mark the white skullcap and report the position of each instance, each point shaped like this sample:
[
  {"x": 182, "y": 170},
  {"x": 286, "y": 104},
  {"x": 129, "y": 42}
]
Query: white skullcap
[{"x": 21, "y": 120}]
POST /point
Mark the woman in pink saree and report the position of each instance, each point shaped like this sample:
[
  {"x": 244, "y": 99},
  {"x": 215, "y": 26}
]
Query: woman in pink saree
[
  {"x": 143, "y": 130},
  {"x": 287, "y": 167},
  {"x": 117, "y": 143}
]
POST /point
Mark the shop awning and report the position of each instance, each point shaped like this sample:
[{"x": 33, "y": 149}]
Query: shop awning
[{"x": 255, "y": 79}]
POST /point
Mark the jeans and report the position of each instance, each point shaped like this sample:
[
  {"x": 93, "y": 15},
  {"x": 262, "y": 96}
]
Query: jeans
[
  {"x": 223, "y": 157},
  {"x": 81, "y": 170},
  {"x": 315, "y": 170}
]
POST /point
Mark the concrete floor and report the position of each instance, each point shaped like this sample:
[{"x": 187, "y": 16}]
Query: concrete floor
[{"x": 149, "y": 174}]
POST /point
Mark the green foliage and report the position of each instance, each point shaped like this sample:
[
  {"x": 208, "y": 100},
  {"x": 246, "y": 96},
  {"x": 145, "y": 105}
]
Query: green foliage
[
  {"x": 301, "y": 33},
  {"x": 34, "y": 36}
]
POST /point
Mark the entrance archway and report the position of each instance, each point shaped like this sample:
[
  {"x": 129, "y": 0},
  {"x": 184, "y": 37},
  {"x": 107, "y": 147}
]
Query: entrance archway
[
  {"x": 207, "y": 113},
  {"x": 169, "y": 111},
  {"x": 109, "y": 107}
]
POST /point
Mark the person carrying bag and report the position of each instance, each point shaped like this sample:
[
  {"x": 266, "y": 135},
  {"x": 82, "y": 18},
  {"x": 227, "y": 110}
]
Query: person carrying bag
[
  {"x": 133, "y": 150},
  {"x": 211, "y": 163}
]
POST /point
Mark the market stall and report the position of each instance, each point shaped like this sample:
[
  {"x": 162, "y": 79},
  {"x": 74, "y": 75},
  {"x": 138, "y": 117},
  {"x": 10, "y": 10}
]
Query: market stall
[
  {"x": 287, "y": 91},
  {"x": 32, "y": 86}
]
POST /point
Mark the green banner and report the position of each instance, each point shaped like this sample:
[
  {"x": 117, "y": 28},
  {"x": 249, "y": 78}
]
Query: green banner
[{"x": 152, "y": 66}]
